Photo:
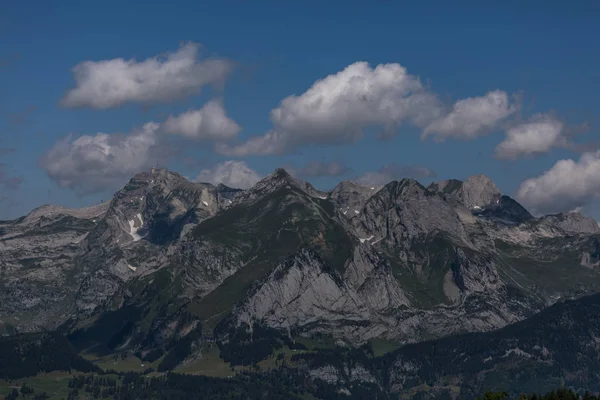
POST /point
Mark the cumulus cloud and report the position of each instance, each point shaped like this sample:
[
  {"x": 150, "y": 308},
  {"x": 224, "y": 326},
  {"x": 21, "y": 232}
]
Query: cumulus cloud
[
  {"x": 392, "y": 172},
  {"x": 338, "y": 108},
  {"x": 567, "y": 185},
  {"x": 472, "y": 117},
  {"x": 236, "y": 174},
  {"x": 111, "y": 83},
  {"x": 209, "y": 122},
  {"x": 269, "y": 144},
  {"x": 90, "y": 164},
  {"x": 322, "y": 168},
  {"x": 540, "y": 134}
]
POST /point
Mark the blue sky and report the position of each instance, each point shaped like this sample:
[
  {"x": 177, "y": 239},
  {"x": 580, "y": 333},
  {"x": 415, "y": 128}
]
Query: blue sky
[{"x": 542, "y": 55}]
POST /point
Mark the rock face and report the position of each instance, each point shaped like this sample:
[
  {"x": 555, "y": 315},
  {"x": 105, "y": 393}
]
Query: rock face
[
  {"x": 506, "y": 210},
  {"x": 350, "y": 197},
  {"x": 37, "y": 267},
  {"x": 401, "y": 262},
  {"x": 560, "y": 344},
  {"x": 572, "y": 223},
  {"x": 66, "y": 262},
  {"x": 302, "y": 290}
]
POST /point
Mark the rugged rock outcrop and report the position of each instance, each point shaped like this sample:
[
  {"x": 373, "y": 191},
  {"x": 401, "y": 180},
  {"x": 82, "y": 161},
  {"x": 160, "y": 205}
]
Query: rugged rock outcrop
[
  {"x": 350, "y": 197},
  {"x": 402, "y": 261}
]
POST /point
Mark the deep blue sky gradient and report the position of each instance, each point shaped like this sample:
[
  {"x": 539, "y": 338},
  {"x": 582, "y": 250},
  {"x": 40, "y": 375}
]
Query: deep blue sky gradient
[{"x": 547, "y": 51}]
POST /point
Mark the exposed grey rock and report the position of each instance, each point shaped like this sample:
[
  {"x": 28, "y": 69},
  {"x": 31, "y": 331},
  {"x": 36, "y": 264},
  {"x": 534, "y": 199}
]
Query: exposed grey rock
[
  {"x": 572, "y": 223},
  {"x": 477, "y": 192},
  {"x": 301, "y": 291},
  {"x": 350, "y": 197},
  {"x": 402, "y": 211},
  {"x": 402, "y": 262},
  {"x": 279, "y": 178}
]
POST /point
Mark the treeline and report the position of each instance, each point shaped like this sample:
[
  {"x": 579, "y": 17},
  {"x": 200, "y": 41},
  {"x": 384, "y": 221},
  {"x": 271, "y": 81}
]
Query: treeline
[
  {"x": 284, "y": 384},
  {"x": 245, "y": 345},
  {"x": 29, "y": 354},
  {"x": 90, "y": 386},
  {"x": 560, "y": 394}
]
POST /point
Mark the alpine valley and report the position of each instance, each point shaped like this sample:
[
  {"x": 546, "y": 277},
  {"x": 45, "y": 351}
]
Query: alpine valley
[{"x": 400, "y": 290}]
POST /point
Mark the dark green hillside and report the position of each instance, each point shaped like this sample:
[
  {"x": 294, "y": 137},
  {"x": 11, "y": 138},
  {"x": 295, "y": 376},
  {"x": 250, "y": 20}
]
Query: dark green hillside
[
  {"x": 28, "y": 355},
  {"x": 266, "y": 232}
]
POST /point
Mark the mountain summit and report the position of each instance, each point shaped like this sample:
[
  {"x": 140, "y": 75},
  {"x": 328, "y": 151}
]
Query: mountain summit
[
  {"x": 401, "y": 262},
  {"x": 477, "y": 192}
]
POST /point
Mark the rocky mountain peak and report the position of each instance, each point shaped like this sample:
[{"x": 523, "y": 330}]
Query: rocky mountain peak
[
  {"x": 276, "y": 180},
  {"x": 349, "y": 195},
  {"x": 158, "y": 205},
  {"x": 479, "y": 191},
  {"x": 407, "y": 262},
  {"x": 476, "y": 192},
  {"x": 572, "y": 223},
  {"x": 280, "y": 173},
  {"x": 506, "y": 210},
  {"x": 51, "y": 211},
  {"x": 224, "y": 188},
  {"x": 446, "y": 186},
  {"x": 406, "y": 188}
]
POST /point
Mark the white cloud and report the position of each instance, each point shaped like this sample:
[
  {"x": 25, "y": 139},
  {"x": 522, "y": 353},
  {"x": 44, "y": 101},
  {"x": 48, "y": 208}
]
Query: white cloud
[
  {"x": 269, "y": 143},
  {"x": 90, "y": 164},
  {"x": 567, "y": 185},
  {"x": 338, "y": 108},
  {"x": 341, "y": 107},
  {"x": 110, "y": 83},
  {"x": 540, "y": 134},
  {"x": 392, "y": 172},
  {"x": 209, "y": 122},
  {"x": 235, "y": 174},
  {"x": 471, "y": 117}
]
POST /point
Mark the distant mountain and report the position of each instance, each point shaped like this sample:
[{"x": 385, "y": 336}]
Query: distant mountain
[{"x": 167, "y": 258}]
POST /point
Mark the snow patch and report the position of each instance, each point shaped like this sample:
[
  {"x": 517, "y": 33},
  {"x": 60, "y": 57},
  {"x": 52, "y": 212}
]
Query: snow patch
[
  {"x": 363, "y": 240},
  {"x": 229, "y": 201},
  {"x": 134, "y": 226},
  {"x": 356, "y": 212},
  {"x": 377, "y": 241},
  {"x": 345, "y": 212},
  {"x": 323, "y": 197},
  {"x": 372, "y": 188},
  {"x": 205, "y": 203},
  {"x": 476, "y": 208},
  {"x": 131, "y": 267}
]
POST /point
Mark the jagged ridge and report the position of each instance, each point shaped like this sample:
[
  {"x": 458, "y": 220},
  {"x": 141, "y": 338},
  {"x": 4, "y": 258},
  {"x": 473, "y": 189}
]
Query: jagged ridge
[{"x": 417, "y": 262}]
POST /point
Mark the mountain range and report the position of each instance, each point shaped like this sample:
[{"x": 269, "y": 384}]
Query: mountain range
[{"x": 168, "y": 264}]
